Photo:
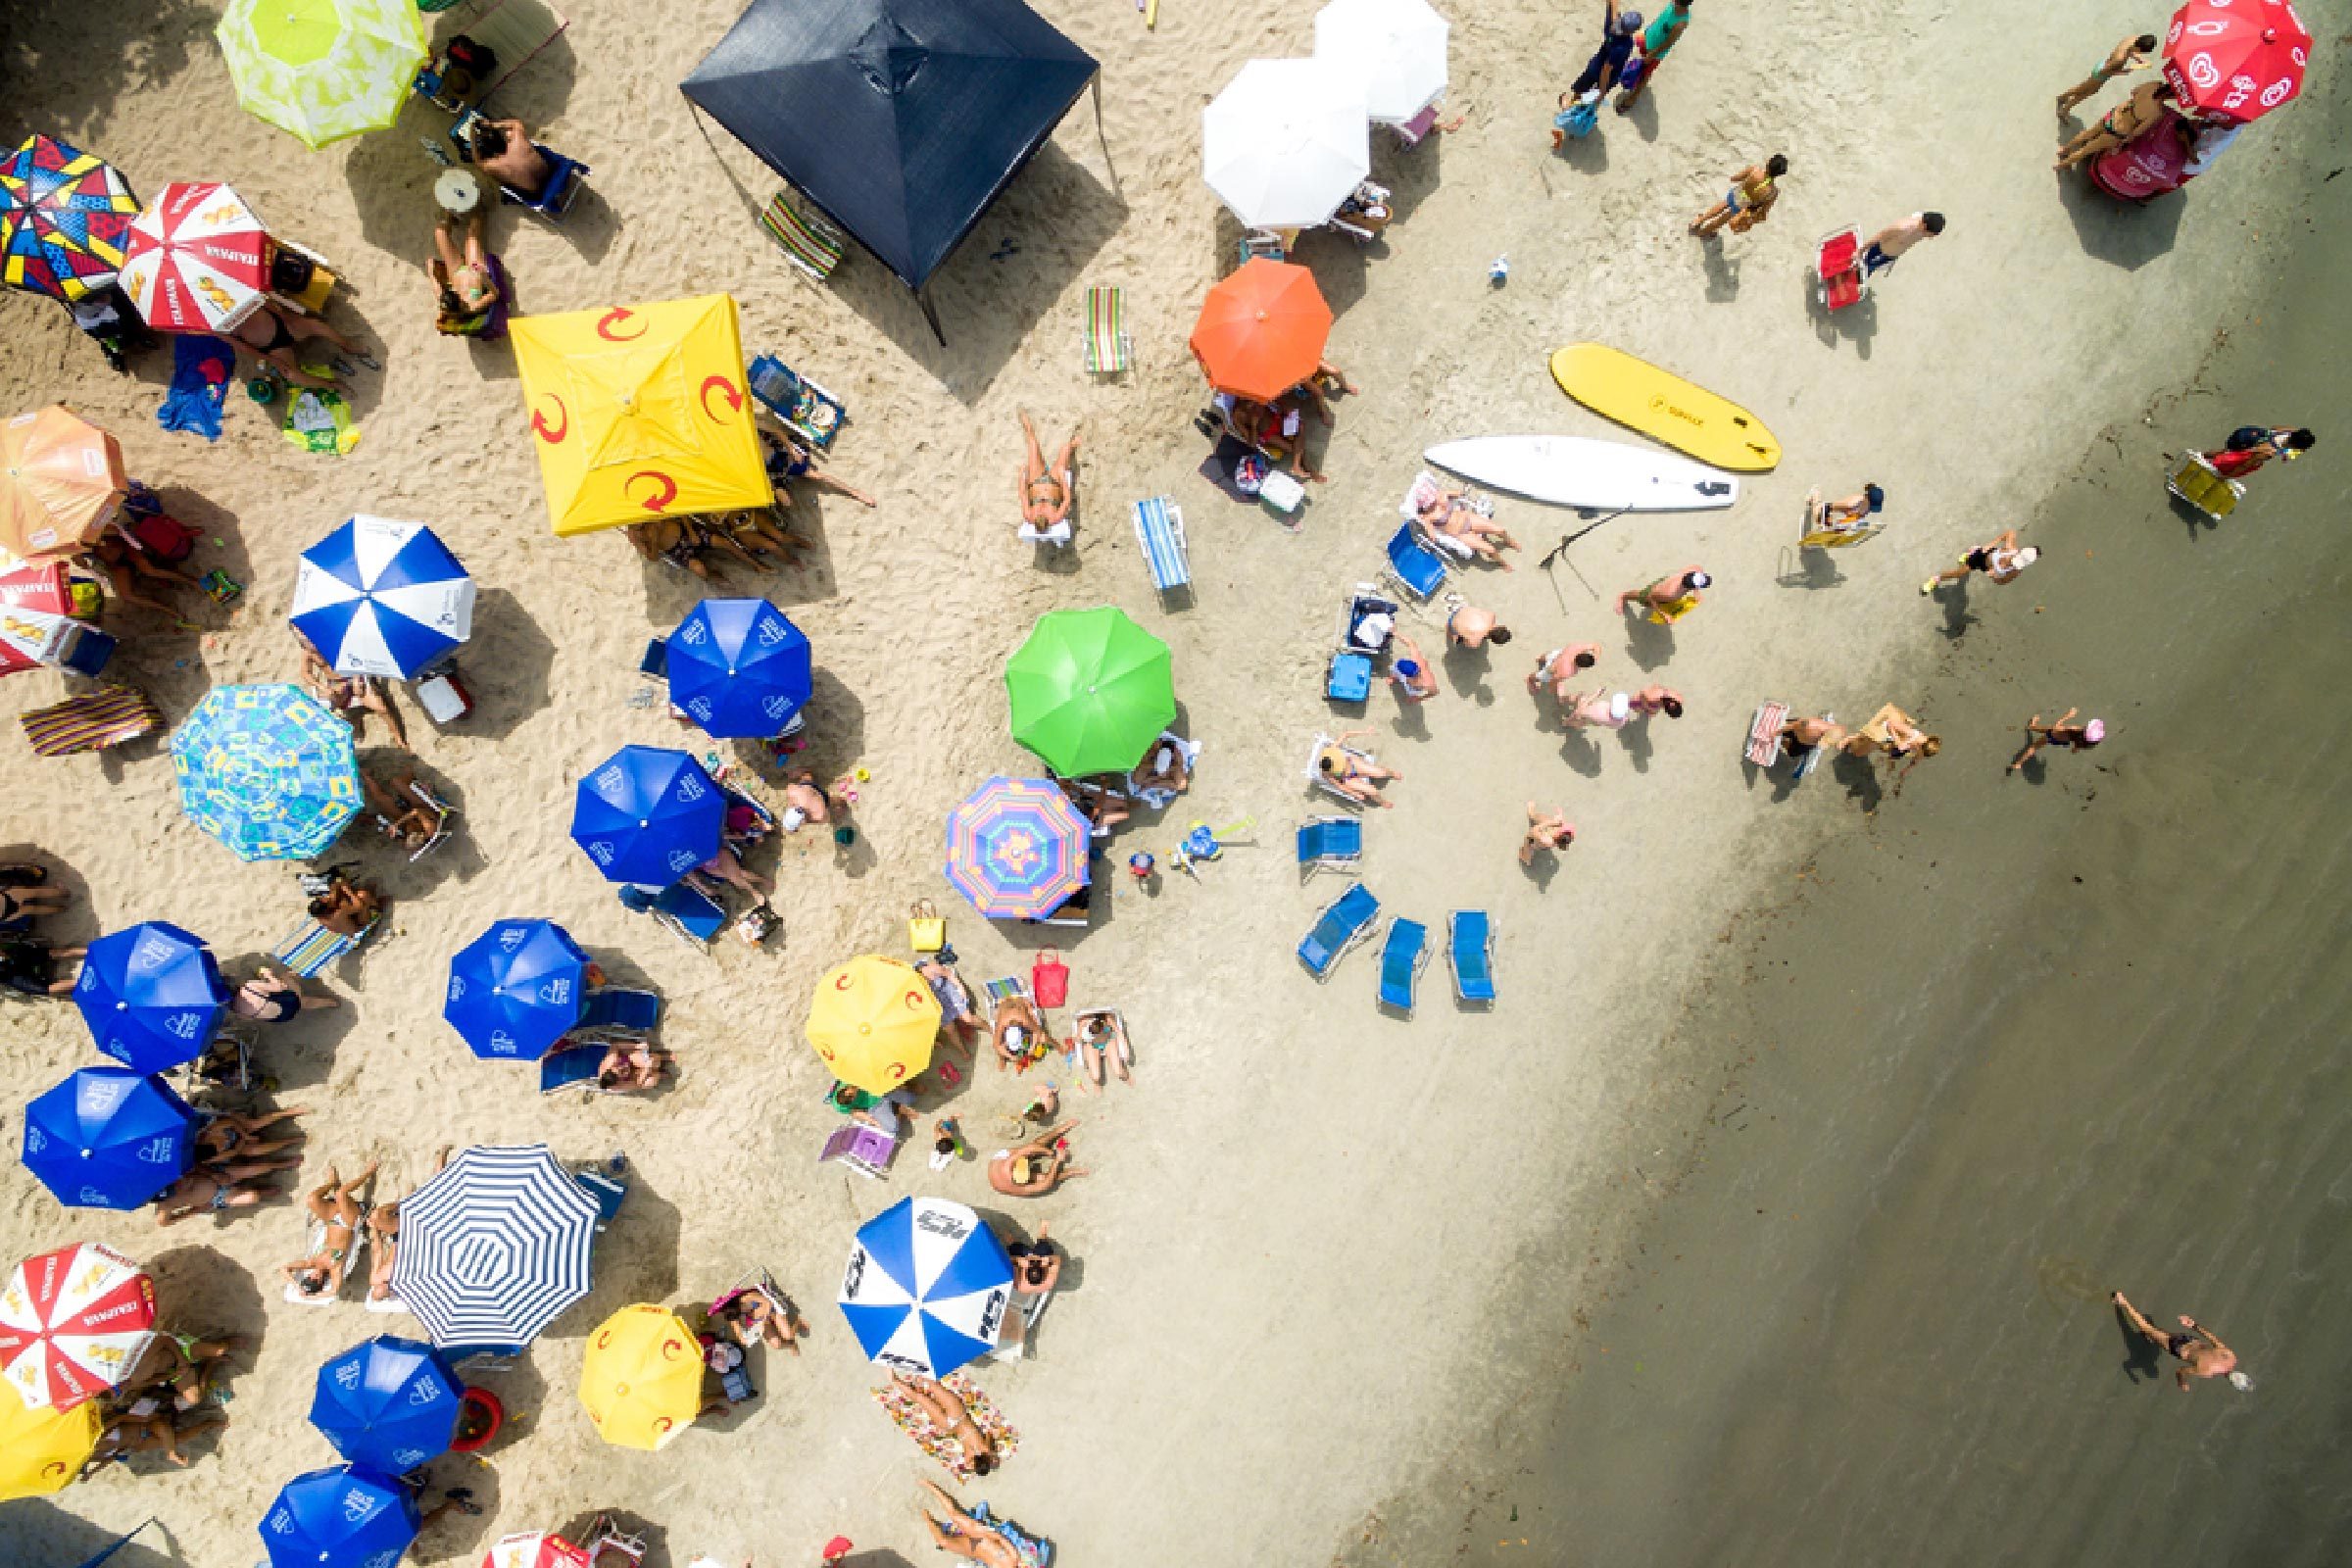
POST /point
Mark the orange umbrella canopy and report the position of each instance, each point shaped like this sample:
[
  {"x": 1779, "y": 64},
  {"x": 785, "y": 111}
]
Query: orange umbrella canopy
[
  {"x": 1261, "y": 331},
  {"x": 60, "y": 479}
]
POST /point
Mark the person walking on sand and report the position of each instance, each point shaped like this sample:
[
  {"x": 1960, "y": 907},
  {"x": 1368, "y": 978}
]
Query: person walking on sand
[
  {"x": 1660, "y": 36},
  {"x": 1598, "y": 706},
  {"x": 1657, "y": 699},
  {"x": 1048, "y": 490},
  {"x": 1887, "y": 245},
  {"x": 2001, "y": 561},
  {"x": 2124, "y": 57},
  {"x": 1410, "y": 674},
  {"x": 2200, "y": 1353},
  {"x": 1620, "y": 30},
  {"x": 1749, "y": 200},
  {"x": 1546, "y": 830},
  {"x": 1560, "y": 667},
  {"x": 2066, "y": 732},
  {"x": 1468, "y": 626},
  {"x": 2250, "y": 446},
  {"x": 1669, "y": 599}
]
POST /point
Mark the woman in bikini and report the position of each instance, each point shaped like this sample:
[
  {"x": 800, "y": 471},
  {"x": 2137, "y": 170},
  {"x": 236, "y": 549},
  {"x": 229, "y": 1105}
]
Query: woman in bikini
[
  {"x": 179, "y": 1364},
  {"x": 335, "y": 1204},
  {"x": 759, "y": 1314},
  {"x": 26, "y": 896},
  {"x": 1103, "y": 1034},
  {"x": 270, "y": 333},
  {"x": 948, "y": 1413},
  {"x": 631, "y": 1067},
  {"x": 963, "y": 1536},
  {"x": 1353, "y": 773},
  {"x": 1546, "y": 830},
  {"x": 2149, "y": 103},
  {"x": 790, "y": 458},
  {"x": 225, "y": 1134},
  {"x": 383, "y": 1230},
  {"x": 1749, "y": 200},
  {"x": 1803, "y": 735},
  {"x": 218, "y": 1188},
  {"x": 466, "y": 278},
  {"x": 1048, "y": 489},
  {"x": 271, "y": 997},
  {"x": 1453, "y": 518},
  {"x": 2066, "y": 732}
]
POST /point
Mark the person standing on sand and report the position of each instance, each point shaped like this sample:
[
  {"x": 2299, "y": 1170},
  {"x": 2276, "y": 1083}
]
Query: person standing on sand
[
  {"x": 1468, "y": 626},
  {"x": 1887, "y": 245},
  {"x": 1546, "y": 830},
  {"x": 1669, "y": 599},
  {"x": 2066, "y": 732},
  {"x": 1657, "y": 699},
  {"x": 1619, "y": 31},
  {"x": 2201, "y": 1356},
  {"x": 2124, "y": 57},
  {"x": 1748, "y": 202},
  {"x": 1560, "y": 667},
  {"x": 1410, "y": 674},
  {"x": 2250, "y": 446},
  {"x": 1656, "y": 39},
  {"x": 2001, "y": 561},
  {"x": 2149, "y": 103}
]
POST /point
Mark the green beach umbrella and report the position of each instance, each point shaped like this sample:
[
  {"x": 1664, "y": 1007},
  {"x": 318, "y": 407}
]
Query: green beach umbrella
[
  {"x": 322, "y": 69},
  {"x": 1091, "y": 691}
]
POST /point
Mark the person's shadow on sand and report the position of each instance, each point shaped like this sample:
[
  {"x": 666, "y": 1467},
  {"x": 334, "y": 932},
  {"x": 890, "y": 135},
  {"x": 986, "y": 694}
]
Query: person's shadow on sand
[
  {"x": 1648, "y": 643},
  {"x": 1468, "y": 672},
  {"x": 1860, "y": 776},
  {"x": 1957, "y": 617}
]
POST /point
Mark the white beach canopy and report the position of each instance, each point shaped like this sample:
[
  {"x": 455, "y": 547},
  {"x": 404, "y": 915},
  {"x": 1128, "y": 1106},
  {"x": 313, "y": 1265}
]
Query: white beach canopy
[
  {"x": 1286, "y": 142},
  {"x": 1395, "y": 50}
]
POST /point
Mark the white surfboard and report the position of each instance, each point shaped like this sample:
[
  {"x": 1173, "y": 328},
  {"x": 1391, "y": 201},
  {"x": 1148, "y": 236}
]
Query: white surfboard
[{"x": 1568, "y": 470}]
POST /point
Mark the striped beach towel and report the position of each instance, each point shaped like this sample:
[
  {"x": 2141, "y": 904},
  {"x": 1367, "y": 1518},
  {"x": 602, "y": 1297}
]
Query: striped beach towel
[
  {"x": 807, "y": 241},
  {"x": 1159, "y": 529},
  {"x": 1108, "y": 349},
  {"x": 944, "y": 1446},
  {"x": 1764, "y": 734},
  {"x": 90, "y": 723}
]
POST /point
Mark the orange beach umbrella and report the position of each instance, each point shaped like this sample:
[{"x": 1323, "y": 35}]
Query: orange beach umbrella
[
  {"x": 60, "y": 479},
  {"x": 1261, "y": 331}
]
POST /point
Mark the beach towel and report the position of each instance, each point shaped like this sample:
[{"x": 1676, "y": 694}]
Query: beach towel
[
  {"x": 1161, "y": 799},
  {"x": 1764, "y": 734},
  {"x": 943, "y": 1447},
  {"x": 809, "y": 243},
  {"x": 1108, "y": 349},
  {"x": 319, "y": 420},
  {"x": 90, "y": 723},
  {"x": 201, "y": 371},
  {"x": 491, "y": 325}
]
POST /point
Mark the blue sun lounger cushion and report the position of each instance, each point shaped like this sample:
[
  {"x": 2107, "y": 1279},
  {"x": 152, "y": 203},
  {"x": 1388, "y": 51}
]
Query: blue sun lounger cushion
[
  {"x": 1330, "y": 841},
  {"x": 611, "y": 1007},
  {"x": 1344, "y": 922},
  {"x": 1471, "y": 937},
  {"x": 1401, "y": 959},
  {"x": 572, "y": 1067}
]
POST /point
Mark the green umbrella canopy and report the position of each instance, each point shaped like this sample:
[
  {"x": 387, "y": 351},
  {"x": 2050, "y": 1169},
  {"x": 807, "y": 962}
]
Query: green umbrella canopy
[{"x": 1091, "y": 691}]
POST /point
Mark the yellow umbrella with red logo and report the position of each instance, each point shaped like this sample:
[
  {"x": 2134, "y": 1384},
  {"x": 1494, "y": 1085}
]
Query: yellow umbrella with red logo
[
  {"x": 873, "y": 1021},
  {"x": 41, "y": 1449},
  {"x": 642, "y": 1380},
  {"x": 641, "y": 411}
]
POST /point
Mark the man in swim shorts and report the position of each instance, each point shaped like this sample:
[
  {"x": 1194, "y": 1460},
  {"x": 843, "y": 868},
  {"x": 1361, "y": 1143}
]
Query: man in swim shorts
[
  {"x": 1468, "y": 626},
  {"x": 1410, "y": 674},
  {"x": 1888, "y": 244},
  {"x": 2201, "y": 1356},
  {"x": 1560, "y": 667}
]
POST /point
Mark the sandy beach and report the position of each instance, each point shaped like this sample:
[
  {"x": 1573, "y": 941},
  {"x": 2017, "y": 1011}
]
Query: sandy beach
[{"x": 1308, "y": 1225}]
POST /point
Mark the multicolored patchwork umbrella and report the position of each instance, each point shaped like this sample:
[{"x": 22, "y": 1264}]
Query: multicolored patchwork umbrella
[
  {"x": 1016, "y": 848},
  {"x": 152, "y": 996},
  {"x": 382, "y": 598},
  {"x": 268, "y": 770},
  {"x": 1091, "y": 691},
  {"x": 927, "y": 1288},
  {"x": 63, "y": 218},
  {"x": 322, "y": 69},
  {"x": 73, "y": 1323},
  {"x": 197, "y": 260}
]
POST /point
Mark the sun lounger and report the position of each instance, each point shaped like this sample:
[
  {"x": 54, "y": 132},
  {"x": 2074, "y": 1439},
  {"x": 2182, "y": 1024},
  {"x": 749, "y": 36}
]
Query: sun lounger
[
  {"x": 807, "y": 410},
  {"x": 1330, "y": 843},
  {"x": 1415, "y": 567},
  {"x": 1470, "y": 941},
  {"x": 604, "y": 1536},
  {"x": 685, "y": 912},
  {"x": 570, "y": 1068},
  {"x": 1411, "y": 131},
  {"x": 610, "y": 1009},
  {"x": 1344, "y": 921},
  {"x": 353, "y": 1267},
  {"x": 807, "y": 241},
  {"x": 1159, "y": 529},
  {"x": 564, "y": 177},
  {"x": 1838, "y": 276},
  {"x": 90, "y": 723},
  {"x": 1401, "y": 959},
  {"x": 312, "y": 947},
  {"x": 442, "y": 812},
  {"x": 1764, "y": 734},
  {"x": 1273, "y": 244},
  {"x": 1109, "y": 351},
  {"x": 2199, "y": 483},
  {"x": 655, "y": 660},
  {"x": 1322, "y": 781},
  {"x": 1160, "y": 796}
]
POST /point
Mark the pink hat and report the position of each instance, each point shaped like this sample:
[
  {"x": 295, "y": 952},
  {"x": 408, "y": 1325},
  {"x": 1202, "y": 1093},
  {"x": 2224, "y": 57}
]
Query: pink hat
[{"x": 2095, "y": 732}]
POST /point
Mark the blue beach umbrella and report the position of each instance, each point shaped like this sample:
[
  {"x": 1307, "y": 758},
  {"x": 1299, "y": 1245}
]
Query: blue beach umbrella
[
  {"x": 927, "y": 1287},
  {"x": 389, "y": 1405},
  {"x": 648, "y": 816},
  {"x": 108, "y": 1138},
  {"x": 341, "y": 1517},
  {"x": 268, "y": 770},
  {"x": 382, "y": 598},
  {"x": 1016, "y": 848},
  {"x": 152, "y": 996},
  {"x": 738, "y": 668},
  {"x": 516, "y": 989}
]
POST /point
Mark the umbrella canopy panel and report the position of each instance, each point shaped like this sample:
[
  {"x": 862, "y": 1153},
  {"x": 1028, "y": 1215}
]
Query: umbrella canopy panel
[
  {"x": 739, "y": 667},
  {"x": 341, "y": 1517},
  {"x": 1285, "y": 141},
  {"x": 516, "y": 989},
  {"x": 64, "y": 219},
  {"x": 197, "y": 260},
  {"x": 108, "y": 1138},
  {"x": 61, "y": 479},
  {"x": 269, "y": 770},
  {"x": 389, "y": 1405},
  {"x": 927, "y": 1287},
  {"x": 648, "y": 816},
  {"x": 2235, "y": 60},
  {"x": 1090, "y": 691},
  {"x": 873, "y": 1021},
  {"x": 41, "y": 1449},
  {"x": 1016, "y": 848},
  {"x": 1261, "y": 329},
  {"x": 1395, "y": 50},
  {"x": 642, "y": 1378},
  {"x": 152, "y": 996},
  {"x": 323, "y": 70},
  {"x": 902, "y": 119}
]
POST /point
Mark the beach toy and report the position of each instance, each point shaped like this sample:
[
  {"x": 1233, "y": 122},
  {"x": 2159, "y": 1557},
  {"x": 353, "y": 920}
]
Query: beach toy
[
  {"x": 1202, "y": 843},
  {"x": 457, "y": 191},
  {"x": 1499, "y": 273}
]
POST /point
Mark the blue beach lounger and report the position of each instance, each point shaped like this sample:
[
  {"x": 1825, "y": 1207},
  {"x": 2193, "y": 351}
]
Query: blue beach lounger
[
  {"x": 1401, "y": 959},
  {"x": 572, "y": 1067},
  {"x": 634, "y": 1012},
  {"x": 1344, "y": 922},
  {"x": 1328, "y": 843},
  {"x": 1471, "y": 939},
  {"x": 1159, "y": 529},
  {"x": 1419, "y": 570}
]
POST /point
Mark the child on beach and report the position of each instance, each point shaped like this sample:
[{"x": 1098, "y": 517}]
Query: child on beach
[
  {"x": 2066, "y": 732},
  {"x": 2129, "y": 56},
  {"x": 2001, "y": 561},
  {"x": 1619, "y": 30}
]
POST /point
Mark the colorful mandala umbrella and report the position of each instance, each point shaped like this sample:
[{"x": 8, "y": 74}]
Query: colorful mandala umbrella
[
  {"x": 1016, "y": 848},
  {"x": 268, "y": 770},
  {"x": 65, "y": 216},
  {"x": 73, "y": 1323},
  {"x": 322, "y": 69}
]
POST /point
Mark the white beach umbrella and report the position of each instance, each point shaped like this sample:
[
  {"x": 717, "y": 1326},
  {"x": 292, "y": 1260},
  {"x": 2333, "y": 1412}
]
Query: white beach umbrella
[
  {"x": 1393, "y": 49},
  {"x": 1285, "y": 142}
]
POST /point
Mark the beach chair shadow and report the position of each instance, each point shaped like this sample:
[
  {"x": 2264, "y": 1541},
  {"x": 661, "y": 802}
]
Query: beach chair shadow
[
  {"x": 1808, "y": 569},
  {"x": 1856, "y": 323}
]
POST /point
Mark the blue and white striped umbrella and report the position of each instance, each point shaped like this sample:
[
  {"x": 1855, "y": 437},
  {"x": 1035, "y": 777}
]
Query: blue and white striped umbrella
[
  {"x": 495, "y": 1247},
  {"x": 382, "y": 598},
  {"x": 926, "y": 1288}
]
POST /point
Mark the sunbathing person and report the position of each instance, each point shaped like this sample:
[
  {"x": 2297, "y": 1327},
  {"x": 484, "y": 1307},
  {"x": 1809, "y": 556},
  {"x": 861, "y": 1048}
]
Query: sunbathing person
[
  {"x": 349, "y": 695},
  {"x": 805, "y": 801},
  {"x": 759, "y": 1314},
  {"x": 271, "y": 997},
  {"x": 670, "y": 540},
  {"x": 1328, "y": 381},
  {"x": 1452, "y": 520},
  {"x": 725, "y": 868},
  {"x": 1015, "y": 1030},
  {"x": 1352, "y": 772},
  {"x": 759, "y": 535},
  {"x": 28, "y": 966},
  {"x": 225, "y": 1133},
  {"x": 1048, "y": 489},
  {"x": 1035, "y": 1168},
  {"x": 219, "y": 1189},
  {"x": 1103, "y": 1033},
  {"x": 399, "y": 814},
  {"x": 179, "y": 1364},
  {"x": 346, "y": 907},
  {"x": 466, "y": 282},
  {"x": 948, "y": 1415},
  {"x": 270, "y": 333},
  {"x": 159, "y": 1433},
  {"x": 24, "y": 902},
  {"x": 116, "y": 561},
  {"x": 383, "y": 1229},
  {"x": 1803, "y": 735},
  {"x": 963, "y": 1536},
  {"x": 335, "y": 1206},
  {"x": 503, "y": 150},
  {"x": 1103, "y": 808},
  {"x": 2149, "y": 103},
  {"x": 1669, "y": 599},
  {"x": 1546, "y": 830},
  {"x": 631, "y": 1067},
  {"x": 1271, "y": 429},
  {"x": 1846, "y": 515},
  {"x": 791, "y": 458},
  {"x": 955, "y": 1002},
  {"x": 1165, "y": 768}
]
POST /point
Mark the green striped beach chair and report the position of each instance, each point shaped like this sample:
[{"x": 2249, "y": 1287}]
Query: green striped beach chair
[
  {"x": 314, "y": 947},
  {"x": 1108, "y": 349},
  {"x": 807, "y": 240}
]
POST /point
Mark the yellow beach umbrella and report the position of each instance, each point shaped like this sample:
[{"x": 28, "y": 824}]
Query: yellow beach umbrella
[
  {"x": 641, "y": 411},
  {"x": 642, "y": 1381},
  {"x": 40, "y": 1450},
  {"x": 873, "y": 1020}
]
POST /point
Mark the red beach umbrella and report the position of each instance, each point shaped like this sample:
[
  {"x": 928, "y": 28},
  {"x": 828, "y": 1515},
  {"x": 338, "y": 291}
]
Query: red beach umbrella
[
  {"x": 198, "y": 260},
  {"x": 1262, "y": 331},
  {"x": 73, "y": 1324},
  {"x": 2235, "y": 60}
]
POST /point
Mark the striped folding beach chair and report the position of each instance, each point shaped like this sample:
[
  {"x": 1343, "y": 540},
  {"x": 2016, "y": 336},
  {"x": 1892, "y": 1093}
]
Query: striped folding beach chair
[
  {"x": 1108, "y": 350},
  {"x": 807, "y": 240},
  {"x": 1159, "y": 528},
  {"x": 90, "y": 723},
  {"x": 314, "y": 947}
]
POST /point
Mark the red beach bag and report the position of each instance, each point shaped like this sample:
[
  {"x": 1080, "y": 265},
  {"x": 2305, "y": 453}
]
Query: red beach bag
[{"x": 1050, "y": 979}]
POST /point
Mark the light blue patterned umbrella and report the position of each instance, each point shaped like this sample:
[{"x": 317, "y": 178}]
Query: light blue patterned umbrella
[
  {"x": 1016, "y": 848},
  {"x": 268, "y": 770}
]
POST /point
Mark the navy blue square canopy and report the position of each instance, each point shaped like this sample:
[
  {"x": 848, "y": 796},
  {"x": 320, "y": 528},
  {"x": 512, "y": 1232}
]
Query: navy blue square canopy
[{"x": 901, "y": 119}]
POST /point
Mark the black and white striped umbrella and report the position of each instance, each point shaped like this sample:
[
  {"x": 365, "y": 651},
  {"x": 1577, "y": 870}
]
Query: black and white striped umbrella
[{"x": 493, "y": 1248}]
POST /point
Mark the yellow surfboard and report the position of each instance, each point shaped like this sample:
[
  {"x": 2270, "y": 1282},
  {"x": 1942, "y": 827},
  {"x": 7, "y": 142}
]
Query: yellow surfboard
[{"x": 1665, "y": 408}]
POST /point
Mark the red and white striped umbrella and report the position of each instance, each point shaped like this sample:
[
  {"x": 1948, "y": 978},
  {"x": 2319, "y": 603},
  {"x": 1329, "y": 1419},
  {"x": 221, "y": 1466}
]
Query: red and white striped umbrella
[
  {"x": 73, "y": 1323},
  {"x": 536, "y": 1549},
  {"x": 197, "y": 259}
]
